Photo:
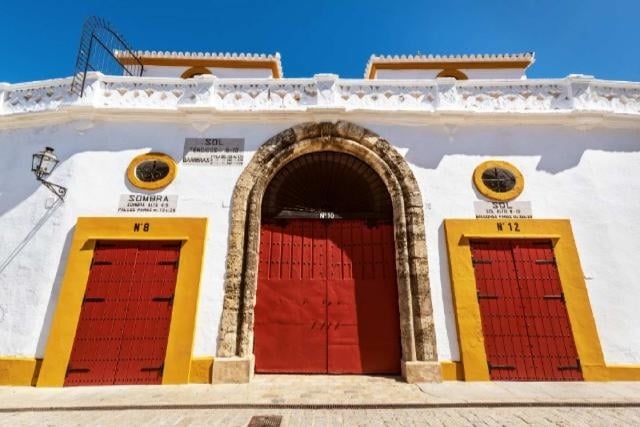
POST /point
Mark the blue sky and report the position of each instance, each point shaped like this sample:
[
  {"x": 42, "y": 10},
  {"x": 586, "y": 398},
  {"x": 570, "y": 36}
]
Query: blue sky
[{"x": 39, "y": 39}]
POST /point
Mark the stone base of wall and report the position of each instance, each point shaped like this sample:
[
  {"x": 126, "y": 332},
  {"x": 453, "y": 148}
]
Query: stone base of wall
[
  {"x": 232, "y": 370},
  {"x": 421, "y": 372}
]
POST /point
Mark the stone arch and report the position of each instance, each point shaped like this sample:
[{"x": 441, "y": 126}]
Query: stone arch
[{"x": 235, "y": 337}]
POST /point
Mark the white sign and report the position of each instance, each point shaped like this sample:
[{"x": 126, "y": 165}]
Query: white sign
[
  {"x": 502, "y": 209},
  {"x": 213, "y": 151},
  {"x": 148, "y": 203}
]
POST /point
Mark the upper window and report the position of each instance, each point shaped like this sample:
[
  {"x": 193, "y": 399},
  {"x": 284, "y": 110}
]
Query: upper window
[
  {"x": 151, "y": 171},
  {"x": 498, "y": 180},
  {"x": 195, "y": 71},
  {"x": 456, "y": 74}
]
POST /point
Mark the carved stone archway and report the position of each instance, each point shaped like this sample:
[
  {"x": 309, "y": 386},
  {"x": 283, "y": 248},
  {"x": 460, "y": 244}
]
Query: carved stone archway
[{"x": 234, "y": 359}]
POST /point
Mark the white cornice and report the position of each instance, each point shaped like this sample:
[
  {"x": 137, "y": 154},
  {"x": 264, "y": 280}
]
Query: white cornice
[{"x": 396, "y": 100}]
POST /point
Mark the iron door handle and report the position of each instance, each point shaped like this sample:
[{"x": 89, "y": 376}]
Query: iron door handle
[
  {"x": 509, "y": 367},
  {"x": 77, "y": 370},
  {"x": 163, "y": 299},
  {"x": 152, "y": 369},
  {"x": 487, "y": 296},
  {"x": 570, "y": 367}
]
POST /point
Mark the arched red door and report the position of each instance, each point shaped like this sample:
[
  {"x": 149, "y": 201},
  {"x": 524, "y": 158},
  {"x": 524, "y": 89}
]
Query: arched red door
[{"x": 327, "y": 299}]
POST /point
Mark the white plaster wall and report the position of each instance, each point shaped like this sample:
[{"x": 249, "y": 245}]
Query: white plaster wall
[
  {"x": 507, "y": 73},
  {"x": 498, "y": 73},
  {"x": 591, "y": 177},
  {"x": 34, "y": 239},
  {"x": 406, "y": 74},
  {"x": 161, "y": 71},
  {"x": 241, "y": 73}
]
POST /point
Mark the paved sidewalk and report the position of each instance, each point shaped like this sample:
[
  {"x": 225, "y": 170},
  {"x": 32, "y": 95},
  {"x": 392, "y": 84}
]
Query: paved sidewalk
[{"x": 328, "y": 400}]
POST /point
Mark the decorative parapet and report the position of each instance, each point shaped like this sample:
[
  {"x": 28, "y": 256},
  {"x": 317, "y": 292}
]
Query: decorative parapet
[
  {"x": 36, "y": 96},
  {"x": 326, "y": 92}
]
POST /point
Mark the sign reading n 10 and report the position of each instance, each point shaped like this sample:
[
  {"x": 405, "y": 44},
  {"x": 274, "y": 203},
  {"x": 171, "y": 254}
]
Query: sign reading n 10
[{"x": 213, "y": 151}]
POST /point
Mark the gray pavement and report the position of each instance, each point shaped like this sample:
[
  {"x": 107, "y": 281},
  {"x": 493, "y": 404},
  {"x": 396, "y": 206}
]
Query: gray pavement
[{"x": 327, "y": 401}]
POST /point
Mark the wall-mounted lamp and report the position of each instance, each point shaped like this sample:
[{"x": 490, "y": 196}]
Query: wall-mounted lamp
[{"x": 42, "y": 164}]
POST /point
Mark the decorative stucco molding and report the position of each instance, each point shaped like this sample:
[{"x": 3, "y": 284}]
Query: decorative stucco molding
[
  {"x": 235, "y": 337},
  {"x": 326, "y": 92}
]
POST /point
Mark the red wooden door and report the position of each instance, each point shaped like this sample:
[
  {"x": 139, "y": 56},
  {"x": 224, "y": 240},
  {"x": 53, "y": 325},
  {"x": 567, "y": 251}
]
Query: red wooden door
[
  {"x": 290, "y": 314},
  {"x": 123, "y": 328},
  {"x": 327, "y": 298},
  {"x": 363, "y": 330},
  {"x": 524, "y": 319},
  {"x": 553, "y": 350}
]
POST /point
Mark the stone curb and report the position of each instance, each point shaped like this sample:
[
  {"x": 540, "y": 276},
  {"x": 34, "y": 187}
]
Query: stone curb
[{"x": 320, "y": 406}]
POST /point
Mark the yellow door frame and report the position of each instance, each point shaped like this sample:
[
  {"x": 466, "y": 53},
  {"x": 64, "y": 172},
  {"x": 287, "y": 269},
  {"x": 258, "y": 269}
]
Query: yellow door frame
[
  {"x": 192, "y": 233},
  {"x": 469, "y": 325}
]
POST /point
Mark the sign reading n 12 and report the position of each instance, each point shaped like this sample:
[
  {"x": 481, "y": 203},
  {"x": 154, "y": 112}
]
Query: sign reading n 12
[
  {"x": 502, "y": 209},
  {"x": 213, "y": 151},
  {"x": 150, "y": 203}
]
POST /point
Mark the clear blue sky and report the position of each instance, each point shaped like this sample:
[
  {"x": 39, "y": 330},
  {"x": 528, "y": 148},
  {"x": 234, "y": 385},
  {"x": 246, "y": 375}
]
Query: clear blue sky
[{"x": 39, "y": 39}]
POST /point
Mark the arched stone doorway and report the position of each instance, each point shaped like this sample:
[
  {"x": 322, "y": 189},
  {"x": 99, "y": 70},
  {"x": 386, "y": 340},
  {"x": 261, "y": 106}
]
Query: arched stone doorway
[
  {"x": 234, "y": 360},
  {"x": 327, "y": 294}
]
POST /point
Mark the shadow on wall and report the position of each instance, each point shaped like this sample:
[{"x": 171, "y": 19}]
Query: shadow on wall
[
  {"x": 55, "y": 292},
  {"x": 38, "y": 225},
  {"x": 559, "y": 148},
  {"x": 79, "y": 139},
  {"x": 447, "y": 297}
]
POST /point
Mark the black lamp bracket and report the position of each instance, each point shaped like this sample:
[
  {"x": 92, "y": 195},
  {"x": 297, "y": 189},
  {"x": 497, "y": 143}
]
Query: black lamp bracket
[{"x": 56, "y": 189}]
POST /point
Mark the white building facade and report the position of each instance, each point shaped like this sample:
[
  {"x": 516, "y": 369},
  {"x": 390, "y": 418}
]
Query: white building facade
[{"x": 465, "y": 159}]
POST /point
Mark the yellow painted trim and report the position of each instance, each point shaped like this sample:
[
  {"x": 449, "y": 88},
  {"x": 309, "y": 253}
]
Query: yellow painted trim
[
  {"x": 154, "y": 185},
  {"x": 19, "y": 370},
  {"x": 469, "y": 326},
  {"x": 624, "y": 372},
  {"x": 451, "y": 371},
  {"x": 191, "y": 231},
  {"x": 472, "y": 236},
  {"x": 441, "y": 65},
  {"x": 201, "y": 368},
  {"x": 452, "y": 72},
  {"x": 494, "y": 195},
  {"x": 193, "y": 71}
]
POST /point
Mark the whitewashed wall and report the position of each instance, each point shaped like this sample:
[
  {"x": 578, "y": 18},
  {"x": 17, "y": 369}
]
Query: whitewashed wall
[
  {"x": 166, "y": 71},
  {"x": 591, "y": 177},
  {"x": 498, "y": 73}
]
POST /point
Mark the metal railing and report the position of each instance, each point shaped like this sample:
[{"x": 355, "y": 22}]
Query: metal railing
[{"x": 104, "y": 50}]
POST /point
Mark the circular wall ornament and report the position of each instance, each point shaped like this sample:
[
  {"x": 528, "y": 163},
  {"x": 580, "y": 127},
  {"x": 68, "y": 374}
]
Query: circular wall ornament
[
  {"x": 498, "y": 180},
  {"x": 151, "y": 171}
]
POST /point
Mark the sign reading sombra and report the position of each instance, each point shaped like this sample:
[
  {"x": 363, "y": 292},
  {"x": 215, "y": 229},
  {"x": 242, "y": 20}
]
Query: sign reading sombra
[
  {"x": 213, "y": 151},
  {"x": 149, "y": 203}
]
